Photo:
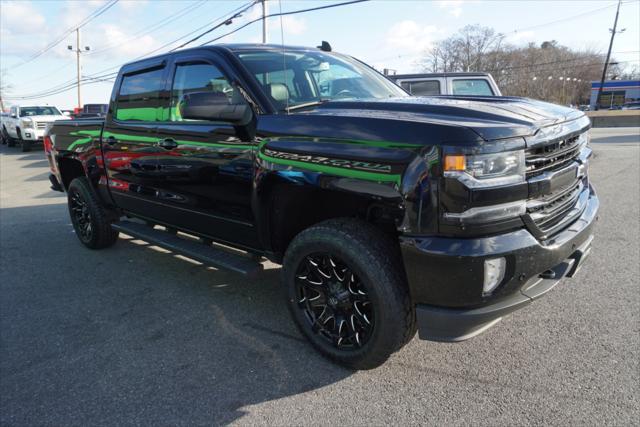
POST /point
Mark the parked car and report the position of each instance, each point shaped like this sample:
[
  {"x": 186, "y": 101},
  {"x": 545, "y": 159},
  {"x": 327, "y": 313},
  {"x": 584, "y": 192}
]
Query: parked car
[
  {"x": 388, "y": 213},
  {"x": 430, "y": 84},
  {"x": 3, "y": 136},
  {"x": 631, "y": 106},
  {"x": 99, "y": 109},
  {"x": 26, "y": 124}
]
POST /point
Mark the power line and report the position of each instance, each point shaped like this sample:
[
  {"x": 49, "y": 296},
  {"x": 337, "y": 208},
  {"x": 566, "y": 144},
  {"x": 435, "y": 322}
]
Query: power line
[
  {"x": 155, "y": 26},
  {"x": 58, "y": 40},
  {"x": 215, "y": 27},
  {"x": 568, "y": 18},
  {"x": 293, "y": 12},
  {"x": 69, "y": 84},
  {"x": 166, "y": 44}
]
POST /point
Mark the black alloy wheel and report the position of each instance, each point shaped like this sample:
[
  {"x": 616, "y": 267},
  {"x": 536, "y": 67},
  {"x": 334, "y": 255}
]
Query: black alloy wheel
[
  {"x": 80, "y": 216},
  {"x": 91, "y": 220},
  {"x": 334, "y": 301},
  {"x": 347, "y": 292}
]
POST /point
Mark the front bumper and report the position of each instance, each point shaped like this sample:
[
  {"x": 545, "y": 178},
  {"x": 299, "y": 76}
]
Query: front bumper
[
  {"x": 33, "y": 134},
  {"x": 445, "y": 275}
]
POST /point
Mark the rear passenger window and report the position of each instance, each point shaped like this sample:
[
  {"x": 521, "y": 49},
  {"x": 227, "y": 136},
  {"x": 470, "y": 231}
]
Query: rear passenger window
[
  {"x": 471, "y": 87},
  {"x": 424, "y": 88},
  {"x": 139, "y": 96},
  {"x": 190, "y": 78}
]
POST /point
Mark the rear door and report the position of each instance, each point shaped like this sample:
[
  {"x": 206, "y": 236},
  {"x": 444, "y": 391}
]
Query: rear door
[
  {"x": 206, "y": 167},
  {"x": 129, "y": 140}
]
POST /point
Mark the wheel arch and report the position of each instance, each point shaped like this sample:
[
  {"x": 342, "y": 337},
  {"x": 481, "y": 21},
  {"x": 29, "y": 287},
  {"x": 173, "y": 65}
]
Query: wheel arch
[
  {"x": 285, "y": 207},
  {"x": 70, "y": 168}
]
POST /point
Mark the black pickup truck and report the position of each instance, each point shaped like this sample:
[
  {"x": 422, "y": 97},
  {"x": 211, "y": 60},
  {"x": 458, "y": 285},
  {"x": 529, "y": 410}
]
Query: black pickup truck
[{"x": 388, "y": 213}]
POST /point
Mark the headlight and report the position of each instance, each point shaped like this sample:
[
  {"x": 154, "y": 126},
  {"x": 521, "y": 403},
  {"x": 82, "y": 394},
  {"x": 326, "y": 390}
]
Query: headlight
[
  {"x": 486, "y": 170},
  {"x": 27, "y": 124}
]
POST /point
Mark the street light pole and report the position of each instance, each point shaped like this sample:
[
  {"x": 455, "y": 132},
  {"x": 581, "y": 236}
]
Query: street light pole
[{"x": 606, "y": 62}]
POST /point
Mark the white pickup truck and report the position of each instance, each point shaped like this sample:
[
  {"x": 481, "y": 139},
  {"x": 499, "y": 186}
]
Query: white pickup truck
[
  {"x": 26, "y": 124},
  {"x": 429, "y": 84}
]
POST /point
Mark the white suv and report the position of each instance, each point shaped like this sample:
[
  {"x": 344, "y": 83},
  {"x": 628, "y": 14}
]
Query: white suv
[{"x": 27, "y": 124}]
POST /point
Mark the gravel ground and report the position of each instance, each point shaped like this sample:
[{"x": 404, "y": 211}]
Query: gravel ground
[{"x": 136, "y": 335}]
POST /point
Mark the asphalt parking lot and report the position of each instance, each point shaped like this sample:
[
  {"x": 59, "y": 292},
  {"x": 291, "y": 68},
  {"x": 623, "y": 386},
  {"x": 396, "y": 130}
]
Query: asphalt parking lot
[{"x": 136, "y": 335}]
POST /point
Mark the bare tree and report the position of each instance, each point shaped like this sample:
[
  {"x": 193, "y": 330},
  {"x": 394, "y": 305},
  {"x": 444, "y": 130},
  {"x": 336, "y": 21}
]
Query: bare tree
[
  {"x": 4, "y": 88},
  {"x": 548, "y": 71}
]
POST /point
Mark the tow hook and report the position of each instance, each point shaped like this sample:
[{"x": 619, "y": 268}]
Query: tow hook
[{"x": 549, "y": 274}]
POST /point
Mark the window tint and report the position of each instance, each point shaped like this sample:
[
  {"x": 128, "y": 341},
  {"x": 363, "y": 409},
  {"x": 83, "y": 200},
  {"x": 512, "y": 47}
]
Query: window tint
[
  {"x": 424, "y": 88},
  {"x": 191, "y": 78},
  {"x": 139, "y": 96},
  {"x": 471, "y": 87}
]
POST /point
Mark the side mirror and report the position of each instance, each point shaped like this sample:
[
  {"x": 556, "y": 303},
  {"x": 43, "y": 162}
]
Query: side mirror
[
  {"x": 66, "y": 113},
  {"x": 214, "y": 106}
]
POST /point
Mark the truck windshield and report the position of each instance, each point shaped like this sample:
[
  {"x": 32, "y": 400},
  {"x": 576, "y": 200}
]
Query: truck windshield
[
  {"x": 301, "y": 78},
  {"x": 39, "y": 111}
]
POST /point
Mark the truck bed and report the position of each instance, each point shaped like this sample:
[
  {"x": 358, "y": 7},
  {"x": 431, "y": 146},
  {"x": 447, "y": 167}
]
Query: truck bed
[{"x": 75, "y": 135}]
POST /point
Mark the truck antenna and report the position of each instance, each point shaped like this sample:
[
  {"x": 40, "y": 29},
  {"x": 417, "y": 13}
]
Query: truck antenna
[{"x": 284, "y": 56}]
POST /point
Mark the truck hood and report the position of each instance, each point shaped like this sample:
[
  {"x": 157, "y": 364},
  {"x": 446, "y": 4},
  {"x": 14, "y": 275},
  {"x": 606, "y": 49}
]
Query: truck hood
[
  {"x": 490, "y": 117},
  {"x": 45, "y": 119}
]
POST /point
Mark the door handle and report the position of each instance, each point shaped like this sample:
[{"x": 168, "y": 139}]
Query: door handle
[
  {"x": 168, "y": 143},
  {"x": 111, "y": 140}
]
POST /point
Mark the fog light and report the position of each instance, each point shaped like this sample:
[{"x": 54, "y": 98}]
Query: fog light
[{"x": 493, "y": 274}]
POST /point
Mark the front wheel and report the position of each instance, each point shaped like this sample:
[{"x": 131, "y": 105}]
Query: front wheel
[
  {"x": 89, "y": 218},
  {"x": 10, "y": 141},
  {"x": 347, "y": 292}
]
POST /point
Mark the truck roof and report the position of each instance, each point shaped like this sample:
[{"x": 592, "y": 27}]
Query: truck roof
[
  {"x": 224, "y": 47},
  {"x": 451, "y": 74}
]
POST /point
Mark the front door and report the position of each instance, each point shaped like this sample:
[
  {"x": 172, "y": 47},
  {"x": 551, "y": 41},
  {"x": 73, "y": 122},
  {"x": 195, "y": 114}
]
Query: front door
[
  {"x": 129, "y": 141},
  {"x": 206, "y": 168}
]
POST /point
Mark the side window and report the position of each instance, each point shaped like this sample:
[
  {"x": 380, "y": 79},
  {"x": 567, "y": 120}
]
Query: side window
[
  {"x": 424, "y": 88},
  {"x": 471, "y": 87},
  {"x": 139, "y": 96},
  {"x": 191, "y": 78}
]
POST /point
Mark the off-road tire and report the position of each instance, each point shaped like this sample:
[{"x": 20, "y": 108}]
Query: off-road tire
[
  {"x": 374, "y": 257},
  {"x": 102, "y": 235}
]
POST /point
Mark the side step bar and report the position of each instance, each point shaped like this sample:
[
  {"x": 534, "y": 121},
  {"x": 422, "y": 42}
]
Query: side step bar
[{"x": 210, "y": 255}]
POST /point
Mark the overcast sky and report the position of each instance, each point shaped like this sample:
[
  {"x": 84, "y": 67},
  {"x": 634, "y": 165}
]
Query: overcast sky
[{"x": 384, "y": 33}]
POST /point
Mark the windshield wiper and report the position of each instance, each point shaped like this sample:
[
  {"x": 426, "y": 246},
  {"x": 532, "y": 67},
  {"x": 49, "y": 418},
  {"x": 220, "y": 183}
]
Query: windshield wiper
[{"x": 306, "y": 104}]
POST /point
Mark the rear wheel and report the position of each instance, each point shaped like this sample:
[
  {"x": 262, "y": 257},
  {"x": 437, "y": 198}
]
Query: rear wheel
[
  {"x": 89, "y": 218},
  {"x": 347, "y": 292}
]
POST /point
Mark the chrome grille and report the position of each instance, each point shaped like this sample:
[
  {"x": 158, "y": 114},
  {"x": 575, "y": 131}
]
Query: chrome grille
[
  {"x": 41, "y": 125},
  {"x": 552, "y": 156},
  {"x": 556, "y": 198},
  {"x": 550, "y": 212}
]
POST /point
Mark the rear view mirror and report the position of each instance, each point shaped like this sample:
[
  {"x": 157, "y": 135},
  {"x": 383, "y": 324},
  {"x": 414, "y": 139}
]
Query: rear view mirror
[{"x": 214, "y": 106}]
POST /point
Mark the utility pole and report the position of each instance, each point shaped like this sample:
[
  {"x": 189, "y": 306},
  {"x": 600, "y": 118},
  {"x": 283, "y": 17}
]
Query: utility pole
[
  {"x": 78, "y": 66},
  {"x": 606, "y": 62},
  {"x": 264, "y": 21}
]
